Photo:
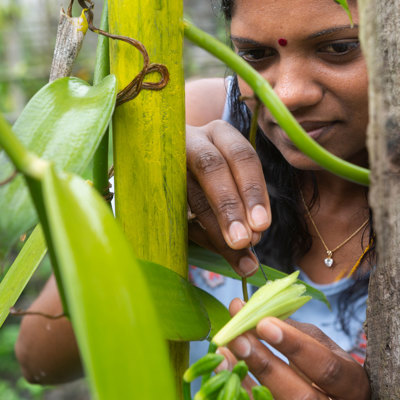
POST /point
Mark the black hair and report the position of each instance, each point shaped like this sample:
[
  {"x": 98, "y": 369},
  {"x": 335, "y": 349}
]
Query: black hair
[{"x": 288, "y": 238}]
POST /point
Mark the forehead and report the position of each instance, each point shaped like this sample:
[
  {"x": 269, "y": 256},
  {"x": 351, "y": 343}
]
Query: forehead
[{"x": 288, "y": 18}]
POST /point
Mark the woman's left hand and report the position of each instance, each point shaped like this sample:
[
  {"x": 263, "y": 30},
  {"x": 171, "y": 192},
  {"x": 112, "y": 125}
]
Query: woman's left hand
[{"x": 322, "y": 370}]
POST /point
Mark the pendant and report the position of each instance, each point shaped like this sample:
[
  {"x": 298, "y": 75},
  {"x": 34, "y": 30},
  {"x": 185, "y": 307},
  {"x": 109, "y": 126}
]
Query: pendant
[{"x": 328, "y": 260}]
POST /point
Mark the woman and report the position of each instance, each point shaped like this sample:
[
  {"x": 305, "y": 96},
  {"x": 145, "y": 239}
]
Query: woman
[
  {"x": 321, "y": 224},
  {"x": 310, "y": 54}
]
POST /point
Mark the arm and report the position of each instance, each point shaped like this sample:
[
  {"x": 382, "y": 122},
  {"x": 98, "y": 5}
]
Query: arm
[
  {"x": 204, "y": 100},
  {"x": 46, "y": 349}
]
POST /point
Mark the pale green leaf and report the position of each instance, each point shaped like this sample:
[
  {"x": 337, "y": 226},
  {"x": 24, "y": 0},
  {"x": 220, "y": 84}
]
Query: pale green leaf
[
  {"x": 217, "y": 312},
  {"x": 210, "y": 261},
  {"x": 63, "y": 122},
  {"x": 114, "y": 319},
  {"x": 21, "y": 271}
]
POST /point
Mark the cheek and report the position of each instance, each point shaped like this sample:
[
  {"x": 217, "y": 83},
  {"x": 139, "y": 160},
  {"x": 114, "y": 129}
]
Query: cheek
[
  {"x": 245, "y": 89},
  {"x": 355, "y": 103}
]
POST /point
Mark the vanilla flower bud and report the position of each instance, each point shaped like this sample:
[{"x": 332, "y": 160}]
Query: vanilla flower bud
[{"x": 279, "y": 298}]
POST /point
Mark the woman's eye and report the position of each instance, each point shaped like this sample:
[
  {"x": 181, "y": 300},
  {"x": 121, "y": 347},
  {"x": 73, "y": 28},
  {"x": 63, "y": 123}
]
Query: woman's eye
[
  {"x": 254, "y": 55},
  {"x": 339, "y": 48}
]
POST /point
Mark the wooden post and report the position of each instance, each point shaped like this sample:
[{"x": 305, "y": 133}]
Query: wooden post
[
  {"x": 149, "y": 140},
  {"x": 380, "y": 34}
]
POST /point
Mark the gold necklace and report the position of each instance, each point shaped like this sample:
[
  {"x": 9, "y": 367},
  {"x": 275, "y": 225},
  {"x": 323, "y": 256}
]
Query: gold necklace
[{"x": 329, "y": 260}]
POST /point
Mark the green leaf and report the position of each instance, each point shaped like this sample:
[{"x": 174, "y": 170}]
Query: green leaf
[
  {"x": 345, "y": 6},
  {"x": 216, "y": 311},
  {"x": 180, "y": 304},
  {"x": 63, "y": 122},
  {"x": 210, "y": 261},
  {"x": 114, "y": 319},
  {"x": 21, "y": 271}
]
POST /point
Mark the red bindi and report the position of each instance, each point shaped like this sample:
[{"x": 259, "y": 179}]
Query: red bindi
[{"x": 282, "y": 42}]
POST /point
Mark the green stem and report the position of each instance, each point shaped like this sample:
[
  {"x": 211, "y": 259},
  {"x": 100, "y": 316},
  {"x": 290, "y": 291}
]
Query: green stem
[
  {"x": 285, "y": 119},
  {"x": 23, "y": 160},
  {"x": 212, "y": 348},
  {"x": 186, "y": 391},
  {"x": 102, "y": 69},
  {"x": 244, "y": 290}
]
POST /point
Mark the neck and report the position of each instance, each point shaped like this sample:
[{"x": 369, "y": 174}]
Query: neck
[
  {"x": 335, "y": 193},
  {"x": 335, "y": 190}
]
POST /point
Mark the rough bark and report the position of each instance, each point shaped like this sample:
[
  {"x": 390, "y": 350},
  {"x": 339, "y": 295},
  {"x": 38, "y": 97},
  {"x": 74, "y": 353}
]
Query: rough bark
[{"x": 380, "y": 34}]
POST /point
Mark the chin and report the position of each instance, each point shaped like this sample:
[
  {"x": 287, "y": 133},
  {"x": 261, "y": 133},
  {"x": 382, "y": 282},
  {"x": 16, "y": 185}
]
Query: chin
[{"x": 300, "y": 161}]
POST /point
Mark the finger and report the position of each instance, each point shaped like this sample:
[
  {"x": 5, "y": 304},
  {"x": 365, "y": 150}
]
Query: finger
[
  {"x": 243, "y": 261},
  {"x": 235, "y": 306},
  {"x": 248, "y": 174},
  {"x": 198, "y": 235},
  {"x": 201, "y": 208},
  {"x": 317, "y": 334},
  {"x": 271, "y": 371},
  {"x": 212, "y": 171},
  {"x": 336, "y": 375}
]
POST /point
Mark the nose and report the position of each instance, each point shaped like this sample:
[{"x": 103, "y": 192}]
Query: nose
[{"x": 296, "y": 84}]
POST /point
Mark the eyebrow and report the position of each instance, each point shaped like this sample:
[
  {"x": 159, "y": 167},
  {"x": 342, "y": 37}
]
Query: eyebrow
[
  {"x": 245, "y": 40},
  {"x": 332, "y": 30},
  {"x": 324, "y": 32}
]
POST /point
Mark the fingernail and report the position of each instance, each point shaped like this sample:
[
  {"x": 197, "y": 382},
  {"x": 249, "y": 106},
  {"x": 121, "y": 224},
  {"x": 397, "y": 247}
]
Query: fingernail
[
  {"x": 247, "y": 266},
  {"x": 259, "y": 215},
  {"x": 224, "y": 364},
  {"x": 237, "y": 232},
  {"x": 270, "y": 332},
  {"x": 241, "y": 346}
]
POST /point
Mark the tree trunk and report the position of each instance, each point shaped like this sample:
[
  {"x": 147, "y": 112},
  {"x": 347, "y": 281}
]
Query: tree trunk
[
  {"x": 380, "y": 34},
  {"x": 149, "y": 140}
]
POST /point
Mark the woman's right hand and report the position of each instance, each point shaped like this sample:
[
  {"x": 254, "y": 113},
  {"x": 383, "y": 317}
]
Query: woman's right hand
[
  {"x": 319, "y": 368},
  {"x": 227, "y": 193}
]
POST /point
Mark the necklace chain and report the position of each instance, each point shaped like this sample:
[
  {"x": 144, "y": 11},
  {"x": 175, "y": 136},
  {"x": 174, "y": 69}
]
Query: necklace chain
[{"x": 329, "y": 261}]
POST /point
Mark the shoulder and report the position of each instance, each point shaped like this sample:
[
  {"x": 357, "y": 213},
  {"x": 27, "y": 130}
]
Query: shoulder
[{"x": 205, "y": 100}]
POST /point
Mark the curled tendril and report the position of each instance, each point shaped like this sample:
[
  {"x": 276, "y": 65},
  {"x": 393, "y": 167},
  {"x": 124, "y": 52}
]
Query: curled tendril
[{"x": 137, "y": 84}]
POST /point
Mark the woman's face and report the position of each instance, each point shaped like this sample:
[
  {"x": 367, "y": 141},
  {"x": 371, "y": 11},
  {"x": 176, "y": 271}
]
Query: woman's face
[{"x": 311, "y": 56}]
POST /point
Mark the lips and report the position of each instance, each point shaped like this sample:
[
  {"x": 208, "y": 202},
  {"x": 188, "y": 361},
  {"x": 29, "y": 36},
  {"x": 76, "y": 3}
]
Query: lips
[{"x": 315, "y": 129}]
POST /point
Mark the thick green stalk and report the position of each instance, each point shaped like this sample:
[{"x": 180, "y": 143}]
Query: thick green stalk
[
  {"x": 285, "y": 119},
  {"x": 149, "y": 140},
  {"x": 102, "y": 69},
  {"x": 23, "y": 160}
]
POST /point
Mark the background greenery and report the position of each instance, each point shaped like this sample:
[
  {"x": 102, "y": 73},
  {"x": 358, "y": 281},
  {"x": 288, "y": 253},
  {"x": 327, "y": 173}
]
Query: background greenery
[{"x": 27, "y": 37}]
